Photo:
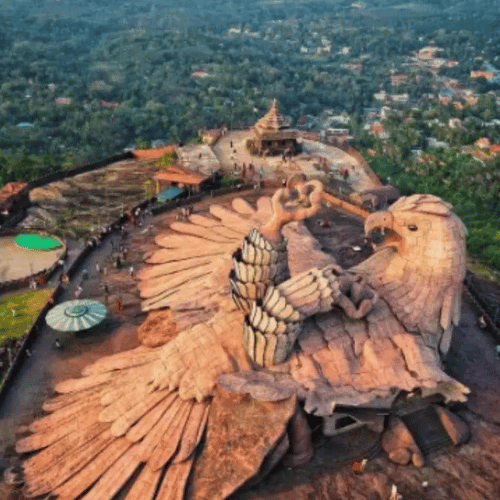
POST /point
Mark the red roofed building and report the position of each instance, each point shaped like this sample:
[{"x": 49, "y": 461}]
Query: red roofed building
[
  {"x": 64, "y": 101},
  {"x": 378, "y": 129},
  {"x": 14, "y": 197},
  {"x": 482, "y": 74},
  {"x": 444, "y": 100},
  {"x": 109, "y": 104},
  {"x": 152, "y": 153},
  {"x": 483, "y": 143},
  {"x": 180, "y": 177},
  {"x": 200, "y": 74}
]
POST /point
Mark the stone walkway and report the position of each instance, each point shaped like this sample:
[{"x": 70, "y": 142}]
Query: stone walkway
[{"x": 336, "y": 157}]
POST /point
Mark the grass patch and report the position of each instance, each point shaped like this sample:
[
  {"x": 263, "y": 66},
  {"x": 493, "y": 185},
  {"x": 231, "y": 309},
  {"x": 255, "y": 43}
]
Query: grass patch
[
  {"x": 482, "y": 270},
  {"x": 37, "y": 242},
  {"x": 27, "y": 306}
]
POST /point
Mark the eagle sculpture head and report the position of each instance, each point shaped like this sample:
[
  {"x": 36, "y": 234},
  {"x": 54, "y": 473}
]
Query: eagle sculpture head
[{"x": 419, "y": 266}]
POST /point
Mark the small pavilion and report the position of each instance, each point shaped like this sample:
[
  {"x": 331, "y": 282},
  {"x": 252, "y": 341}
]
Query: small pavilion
[
  {"x": 179, "y": 177},
  {"x": 272, "y": 136}
]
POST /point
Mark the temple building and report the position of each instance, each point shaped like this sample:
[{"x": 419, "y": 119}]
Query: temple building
[{"x": 272, "y": 136}]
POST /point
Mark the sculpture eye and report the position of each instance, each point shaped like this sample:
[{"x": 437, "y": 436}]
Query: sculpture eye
[{"x": 412, "y": 227}]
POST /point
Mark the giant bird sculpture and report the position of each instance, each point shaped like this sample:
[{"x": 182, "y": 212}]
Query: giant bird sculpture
[{"x": 263, "y": 312}]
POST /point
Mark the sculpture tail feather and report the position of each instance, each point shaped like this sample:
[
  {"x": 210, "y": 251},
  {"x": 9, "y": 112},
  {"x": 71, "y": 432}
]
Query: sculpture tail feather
[{"x": 95, "y": 440}]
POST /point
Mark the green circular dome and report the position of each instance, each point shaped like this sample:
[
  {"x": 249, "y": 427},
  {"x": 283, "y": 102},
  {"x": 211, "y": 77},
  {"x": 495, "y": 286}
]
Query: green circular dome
[{"x": 37, "y": 242}]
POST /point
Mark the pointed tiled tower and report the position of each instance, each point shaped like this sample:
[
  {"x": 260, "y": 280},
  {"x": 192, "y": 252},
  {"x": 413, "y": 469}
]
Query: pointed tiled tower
[
  {"x": 272, "y": 135},
  {"x": 272, "y": 121}
]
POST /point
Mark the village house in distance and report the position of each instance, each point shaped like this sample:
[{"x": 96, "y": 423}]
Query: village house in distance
[{"x": 273, "y": 136}]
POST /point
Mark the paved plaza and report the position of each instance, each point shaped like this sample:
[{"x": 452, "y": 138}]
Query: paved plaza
[
  {"x": 199, "y": 158},
  {"x": 232, "y": 152}
]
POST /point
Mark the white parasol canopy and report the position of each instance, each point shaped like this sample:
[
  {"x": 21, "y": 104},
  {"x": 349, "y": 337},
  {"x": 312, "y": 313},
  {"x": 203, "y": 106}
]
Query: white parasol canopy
[{"x": 76, "y": 315}]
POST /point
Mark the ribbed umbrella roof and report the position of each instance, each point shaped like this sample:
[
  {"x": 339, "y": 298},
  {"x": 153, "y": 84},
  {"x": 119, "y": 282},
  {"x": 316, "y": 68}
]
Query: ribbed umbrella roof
[{"x": 76, "y": 315}]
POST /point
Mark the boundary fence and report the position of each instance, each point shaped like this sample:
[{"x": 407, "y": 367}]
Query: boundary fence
[{"x": 63, "y": 174}]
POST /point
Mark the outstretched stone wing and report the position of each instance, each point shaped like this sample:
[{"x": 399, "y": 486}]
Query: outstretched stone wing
[
  {"x": 366, "y": 361},
  {"x": 190, "y": 271},
  {"x": 347, "y": 362}
]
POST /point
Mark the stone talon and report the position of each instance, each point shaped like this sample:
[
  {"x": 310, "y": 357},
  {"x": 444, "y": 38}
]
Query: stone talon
[
  {"x": 305, "y": 206},
  {"x": 399, "y": 444}
]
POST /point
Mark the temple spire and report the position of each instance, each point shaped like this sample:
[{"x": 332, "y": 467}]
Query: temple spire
[
  {"x": 272, "y": 135},
  {"x": 272, "y": 121}
]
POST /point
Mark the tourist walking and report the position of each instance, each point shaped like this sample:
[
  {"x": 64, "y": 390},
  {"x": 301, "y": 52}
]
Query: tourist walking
[
  {"x": 105, "y": 288},
  {"x": 78, "y": 292},
  {"x": 118, "y": 304},
  {"x": 106, "y": 293},
  {"x": 481, "y": 322},
  {"x": 131, "y": 271}
]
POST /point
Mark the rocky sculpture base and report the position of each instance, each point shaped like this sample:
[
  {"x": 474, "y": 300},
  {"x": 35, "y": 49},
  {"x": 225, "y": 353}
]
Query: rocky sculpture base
[{"x": 401, "y": 446}]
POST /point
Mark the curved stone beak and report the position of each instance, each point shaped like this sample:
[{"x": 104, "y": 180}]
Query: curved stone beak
[{"x": 385, "y": 223}]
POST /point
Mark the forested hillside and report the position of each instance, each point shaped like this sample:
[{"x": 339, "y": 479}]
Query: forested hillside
[{"x": 80, "y": 81}]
